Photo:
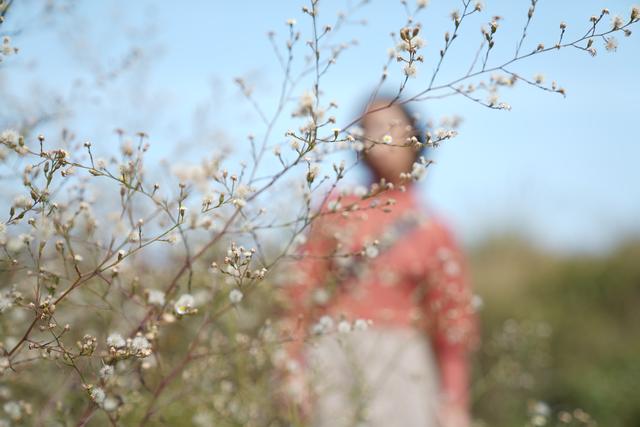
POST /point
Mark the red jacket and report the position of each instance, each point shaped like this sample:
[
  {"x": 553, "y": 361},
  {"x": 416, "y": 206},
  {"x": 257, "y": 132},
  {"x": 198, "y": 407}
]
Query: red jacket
[{"x": 409, "y": 272}]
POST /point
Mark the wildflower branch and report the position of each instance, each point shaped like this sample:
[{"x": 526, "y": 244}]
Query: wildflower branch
[
  {"x": 457, "y": 20},
  {"x": 530, "y": 13},
  {"x": 4, "y": 9}
]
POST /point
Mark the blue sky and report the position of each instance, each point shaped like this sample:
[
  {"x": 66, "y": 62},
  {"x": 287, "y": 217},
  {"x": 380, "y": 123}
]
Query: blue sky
[{"x": 562, "y": 171}]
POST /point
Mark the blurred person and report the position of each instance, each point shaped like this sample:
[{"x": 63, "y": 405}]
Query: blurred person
[{"x": 395, "y": 321}]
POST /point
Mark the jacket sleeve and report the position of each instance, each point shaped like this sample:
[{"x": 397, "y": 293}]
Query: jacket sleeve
[
  {"x": 448, "y": 305},
  {"x": 448, "y": 302},
  {"x": 306, "y": 277}
]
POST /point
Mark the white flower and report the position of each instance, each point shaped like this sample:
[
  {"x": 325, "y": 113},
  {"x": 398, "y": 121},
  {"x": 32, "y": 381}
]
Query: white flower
[
  {"x": 477, "y": 302},
  {"x": 239, "y": 202},
  {"x": 403, "y": 46},
  {"x": 371, "y": 251},
  {"x": 110, "y": 404},
  {"x": 97, "y": 395},
  {"x": 5, "y": 304},
  {"x": 44, "y": 227},
  {"x": 300, "y": 239},
  {"x": 235, "y": 296},
  {"x": 541, "y": 408},
  {"x": 334, "y": 205},
  {"x": 321, "y": 296},
  {"x": 173, "y": 238},
  {"x": 451, "y": 268},
  {"x": 184, "y": 305},
  {"x": 141, "y": 346},
  {"x": 344, "y": 327},
  {"x": 155, "y": 297},
  {"x": 418, "y": 171},
  {"x": 387, "y": 139},
  {"x": 243, "y": 191},
  {"x": 324, "y": 325},
  {"x": 617, "y": 22},
  {"x": 203, "y": 419},
  {"x": 361, "y": 325},
  {"x": 116, "y": 340},
  {"x": 291, "y": 22},
  {"x": 106, "y": 371},
  {"x": 410, "y": 70},
  {"x": 539, "y": 420},
  {"x": 7, "y": 49},
  {"x": 9, "y": 137},
  {"x": 612, "y": 44},
  {"x": 307, "y": 99},
  {"x": 13, "y": 409},
  {"x": 15, "y": 244},
  {"x": 22, "y": 202},
  {"x": 360, "y": 191},
  {"x": 422, "y": 3},
  {"x": 4, "y": 364}
]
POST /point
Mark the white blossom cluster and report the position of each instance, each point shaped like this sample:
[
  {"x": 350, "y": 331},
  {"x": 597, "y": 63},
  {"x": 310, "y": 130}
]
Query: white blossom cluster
[
  {"x": 119, "y": 347},
  {"x": 326, "y": 325}
]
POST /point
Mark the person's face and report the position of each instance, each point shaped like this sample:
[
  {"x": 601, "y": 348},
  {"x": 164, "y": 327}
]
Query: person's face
[{"x": 389, "y": 160}]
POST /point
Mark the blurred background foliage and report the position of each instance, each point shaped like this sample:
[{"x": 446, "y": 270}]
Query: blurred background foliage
[{"x": 584, "y": 313}]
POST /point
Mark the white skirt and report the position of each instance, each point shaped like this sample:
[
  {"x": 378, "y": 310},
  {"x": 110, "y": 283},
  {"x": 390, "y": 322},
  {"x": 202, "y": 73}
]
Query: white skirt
[{"x": 375, "y": 378}]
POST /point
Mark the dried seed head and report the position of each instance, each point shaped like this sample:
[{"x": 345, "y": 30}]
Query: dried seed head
[{"x": 617, "y": 23}]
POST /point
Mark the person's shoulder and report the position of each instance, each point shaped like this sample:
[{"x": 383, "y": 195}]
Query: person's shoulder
[{"x": 436, "y": 227}]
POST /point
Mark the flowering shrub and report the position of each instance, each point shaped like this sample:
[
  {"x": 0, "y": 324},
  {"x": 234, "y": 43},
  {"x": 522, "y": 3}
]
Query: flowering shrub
[{"x": 127, "y": 302}]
